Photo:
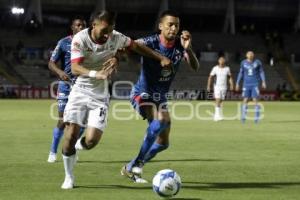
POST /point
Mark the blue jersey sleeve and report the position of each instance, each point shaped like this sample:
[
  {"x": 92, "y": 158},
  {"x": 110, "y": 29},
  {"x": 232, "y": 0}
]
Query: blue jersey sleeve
[
  {"x": 57, "y": 52},
  {"x": 148, "y": 41},
  {"x": 240, "y": 75}
]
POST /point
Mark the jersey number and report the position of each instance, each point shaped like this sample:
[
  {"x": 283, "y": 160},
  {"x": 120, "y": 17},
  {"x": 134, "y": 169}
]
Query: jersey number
[
  {"x": 250, "y": 72},
  {"x": 102, "y": 112}
]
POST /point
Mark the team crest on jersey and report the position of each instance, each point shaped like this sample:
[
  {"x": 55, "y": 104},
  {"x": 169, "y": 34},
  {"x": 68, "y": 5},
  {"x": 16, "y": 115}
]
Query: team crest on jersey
[
  {"x": 177, "y": 57},
  {"x": 76, "y": 45},
  {"x": 166, "y": 72}
]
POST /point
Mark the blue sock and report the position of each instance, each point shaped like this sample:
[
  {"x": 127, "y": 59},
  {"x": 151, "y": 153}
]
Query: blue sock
[
  {"x": 155, "y": 148},
  {"x": 82, "y": 129},
  {"x": 57, "y": 134},
  {"x": 153, "y": 130},
  {"x": 257, "y": 113},
  {"x": 244, "y": 112}
]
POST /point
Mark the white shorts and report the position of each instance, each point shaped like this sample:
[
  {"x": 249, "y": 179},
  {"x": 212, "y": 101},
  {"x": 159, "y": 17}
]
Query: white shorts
[
  {"x": 220, "y": 93},
  {"x": 85, "y": 110}
]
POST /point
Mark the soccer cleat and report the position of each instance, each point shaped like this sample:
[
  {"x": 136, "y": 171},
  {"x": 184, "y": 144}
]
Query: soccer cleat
[
  {"x": 51, "y": 157},
  {"x": 68, "y": 183},
  {"x": 243, "y": 120},
  {"x": 134, "y": 175},
  {"x": 78, "y": 145},
  {"x": 137, "y": 170},
  {"x": 218, "y": 118},
  {"x": 138, "y": 179}
]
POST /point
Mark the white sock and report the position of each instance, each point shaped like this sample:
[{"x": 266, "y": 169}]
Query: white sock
[
  {"x": 69, "y": 162},
  {"x": 217, "y": 111}
]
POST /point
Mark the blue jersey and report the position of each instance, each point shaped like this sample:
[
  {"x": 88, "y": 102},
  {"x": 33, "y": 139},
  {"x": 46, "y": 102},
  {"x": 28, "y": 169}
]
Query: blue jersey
[
  {"x": 251, "y": 73},
  {"x": 154, "y": 79},
  {"x": 62, "y": 52}
]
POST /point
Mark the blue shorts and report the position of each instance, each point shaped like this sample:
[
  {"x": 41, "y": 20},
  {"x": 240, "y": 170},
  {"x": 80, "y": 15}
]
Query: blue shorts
[
  {"x": 250, "y": 92},
  {"x": 140, "y": 101},
  {"x": 63, "y": 92}
]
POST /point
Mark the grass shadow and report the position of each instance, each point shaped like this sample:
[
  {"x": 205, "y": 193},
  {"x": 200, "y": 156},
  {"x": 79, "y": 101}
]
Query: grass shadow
[
  {"x": 186, "y": 198},
  {"x": 117, "y": 187},
  {"x": 155, "y": 161},
  {"x": 238, "y": 185},
  {"x": 283, "y": 121}
]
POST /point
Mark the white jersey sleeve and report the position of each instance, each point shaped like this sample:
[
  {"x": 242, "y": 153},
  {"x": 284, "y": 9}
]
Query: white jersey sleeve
[
  {"x": 122, "y": 40},
  {"x": 77, "y": 49},
  {"x": 213, "y": 71}
]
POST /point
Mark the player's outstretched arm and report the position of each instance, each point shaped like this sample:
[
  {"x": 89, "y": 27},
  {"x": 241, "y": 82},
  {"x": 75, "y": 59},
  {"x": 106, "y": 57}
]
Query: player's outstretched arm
[
  {"x": 56, "y": 69},
  {"x": 209, "y": 83},
  {"x": 186, "y": 42},
  {"x": 55, "y": 57},
  {"x": 262, "y": 77},
  {"x": 146, "y": 51}
]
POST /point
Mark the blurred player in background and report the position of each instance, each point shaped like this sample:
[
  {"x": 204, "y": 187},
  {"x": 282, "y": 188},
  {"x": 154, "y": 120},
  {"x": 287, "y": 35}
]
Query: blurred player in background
[
  {"x": 93, "y": 60},
  {"x": 221, "y": 72},
  {"x": 149, "y": 94},
  {"x": 252, "y": 73},
  {"x": 62, "y": 54}
]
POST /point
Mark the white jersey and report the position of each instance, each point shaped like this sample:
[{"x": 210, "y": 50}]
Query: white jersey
[
  {"x": 221, "y": 76},
  {"x": 93, "y": 55}
]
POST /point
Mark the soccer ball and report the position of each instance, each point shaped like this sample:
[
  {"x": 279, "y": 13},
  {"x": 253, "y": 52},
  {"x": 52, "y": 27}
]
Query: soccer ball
[{"x": 166, "y": 183}]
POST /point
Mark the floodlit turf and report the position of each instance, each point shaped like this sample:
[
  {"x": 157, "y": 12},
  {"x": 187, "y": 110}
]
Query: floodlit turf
[{"x": 216, "y": 160}]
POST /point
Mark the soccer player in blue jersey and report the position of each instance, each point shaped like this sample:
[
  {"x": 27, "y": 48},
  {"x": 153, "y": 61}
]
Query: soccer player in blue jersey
[
  {"x": 149, "y": 94},
  {"x": 62, "y": 54},
  {"x": 252, "y": 73}
]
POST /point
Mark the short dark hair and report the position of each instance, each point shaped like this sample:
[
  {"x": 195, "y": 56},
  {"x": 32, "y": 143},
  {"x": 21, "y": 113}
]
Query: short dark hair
[
  {"x": 107, "y": 16},
  {"x": 168, "y": 13},
  {"x": 77, "y": 17}
]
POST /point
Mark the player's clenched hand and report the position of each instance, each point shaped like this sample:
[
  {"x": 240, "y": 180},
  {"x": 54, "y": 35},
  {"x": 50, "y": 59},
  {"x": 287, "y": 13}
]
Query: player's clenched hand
[
  {"x": 208, "y": 89},
  {"x": 108, "y": 68},
  {"x": 101, "y": 75},
  {"x": 165, "y": 62},
  {"x": 237, "y": 88},
  {"x": 263, "y": 85},
  {"x": 63, "y": 76},
  {"x": 186, "y": 39},
  {"x": 104, "y": 74},
  {"x": 111, "y": 63}
]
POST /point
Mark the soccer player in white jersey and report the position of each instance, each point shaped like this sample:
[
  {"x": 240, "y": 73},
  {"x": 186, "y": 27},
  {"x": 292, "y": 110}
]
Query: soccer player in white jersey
[
  {"x": 221, "y": 72},
  {"x": 93, "y": 61}
]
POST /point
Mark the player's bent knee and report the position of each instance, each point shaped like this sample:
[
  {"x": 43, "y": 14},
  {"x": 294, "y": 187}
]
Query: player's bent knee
[
  {"x": 91, "y": 143},
  {"x": 164, "y": 146},
  {"x": 158, "y": 127},
  {"x": 60, "y": 124}
]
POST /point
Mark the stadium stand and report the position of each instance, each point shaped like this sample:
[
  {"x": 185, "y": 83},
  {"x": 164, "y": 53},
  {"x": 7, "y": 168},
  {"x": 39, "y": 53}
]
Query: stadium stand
[{"x": 25, "y": 49}]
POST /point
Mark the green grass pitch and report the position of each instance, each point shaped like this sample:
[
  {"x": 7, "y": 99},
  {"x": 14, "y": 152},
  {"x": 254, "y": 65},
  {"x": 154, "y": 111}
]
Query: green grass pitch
[{"x": 223, "y": 160}]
